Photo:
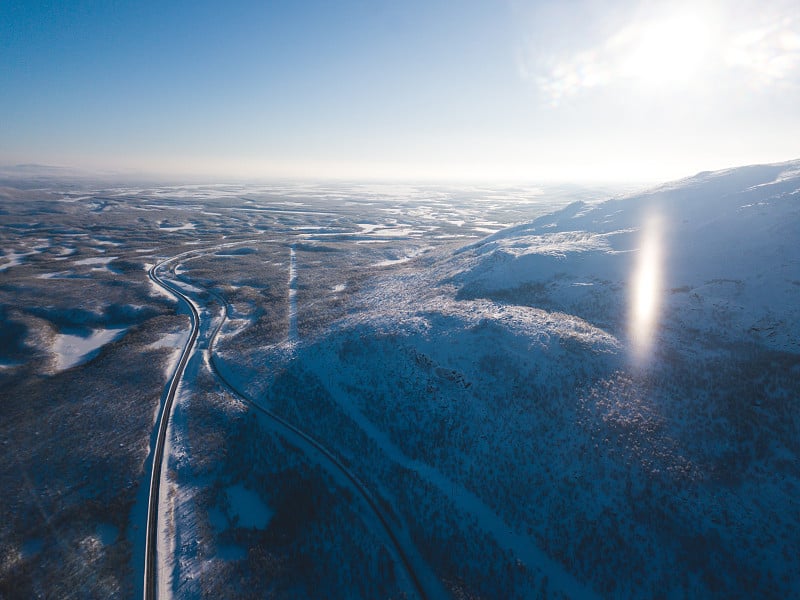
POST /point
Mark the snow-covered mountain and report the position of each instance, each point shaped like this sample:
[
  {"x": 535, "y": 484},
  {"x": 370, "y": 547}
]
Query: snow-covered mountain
[{"x": 723, "y": 248}]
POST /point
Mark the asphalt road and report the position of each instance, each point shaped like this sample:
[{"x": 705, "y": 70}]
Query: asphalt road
[{"x": 151, "y": 537}]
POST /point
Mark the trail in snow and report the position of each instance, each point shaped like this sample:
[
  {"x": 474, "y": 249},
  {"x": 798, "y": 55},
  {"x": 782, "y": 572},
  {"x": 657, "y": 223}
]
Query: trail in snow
[
  {"x": 292, "y": 335},
  {"x": 521, "y": 545},
  {"x": 165, "y": 539}
]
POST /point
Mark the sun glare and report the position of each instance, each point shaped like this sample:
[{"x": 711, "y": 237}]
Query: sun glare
[
  {"x": 668, "y": 51},
  {"x": 646, "y": 287}
]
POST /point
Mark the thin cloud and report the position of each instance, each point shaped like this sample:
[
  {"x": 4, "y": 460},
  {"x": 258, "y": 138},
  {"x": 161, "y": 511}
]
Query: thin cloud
[{"x": 669, "y": 50}]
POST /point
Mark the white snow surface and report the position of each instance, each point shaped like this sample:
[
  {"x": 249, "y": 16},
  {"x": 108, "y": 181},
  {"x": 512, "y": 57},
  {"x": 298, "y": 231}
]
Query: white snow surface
[
  {"x": 184, "y": 227},
  {"x": 72, "y": 350},
  {"x": 97, "y": 260},
  {"x": 292, "y": 334},
  {"x": 12, "y": 258},
  {"x": 175, "y": 341}
]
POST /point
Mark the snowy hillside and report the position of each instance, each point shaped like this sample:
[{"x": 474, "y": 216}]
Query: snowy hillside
[
  {"x": 724, "y": 249},
  {"x": 603, "y": 401}
]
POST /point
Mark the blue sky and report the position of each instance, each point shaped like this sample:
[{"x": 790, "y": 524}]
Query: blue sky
[{"x": 491, "y": 90}]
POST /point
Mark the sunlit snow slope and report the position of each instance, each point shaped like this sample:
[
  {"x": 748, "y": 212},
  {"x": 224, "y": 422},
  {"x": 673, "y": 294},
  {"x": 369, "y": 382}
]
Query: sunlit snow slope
[{"x": 724, "y": 258}]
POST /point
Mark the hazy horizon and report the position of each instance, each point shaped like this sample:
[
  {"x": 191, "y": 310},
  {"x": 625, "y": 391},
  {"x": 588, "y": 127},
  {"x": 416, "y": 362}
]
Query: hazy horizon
[{"x": 513, "y": 91}]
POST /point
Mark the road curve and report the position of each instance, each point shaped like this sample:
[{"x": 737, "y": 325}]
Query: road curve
[
  {"x": 293, "y": 433},
  {"x": 151, "y": 536}
]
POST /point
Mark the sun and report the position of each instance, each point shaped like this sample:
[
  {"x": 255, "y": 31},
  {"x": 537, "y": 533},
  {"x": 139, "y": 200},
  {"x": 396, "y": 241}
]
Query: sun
[{"x": 668, "y": 51}]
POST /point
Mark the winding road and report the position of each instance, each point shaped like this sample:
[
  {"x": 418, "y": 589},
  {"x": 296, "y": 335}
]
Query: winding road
[
  {"x": 299, "y": 438},
  {"x": 151, "y": 536}
]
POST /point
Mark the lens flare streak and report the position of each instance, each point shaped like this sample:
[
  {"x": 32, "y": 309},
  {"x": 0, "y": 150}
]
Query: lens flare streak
[{"x": 646, "y": 290}]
